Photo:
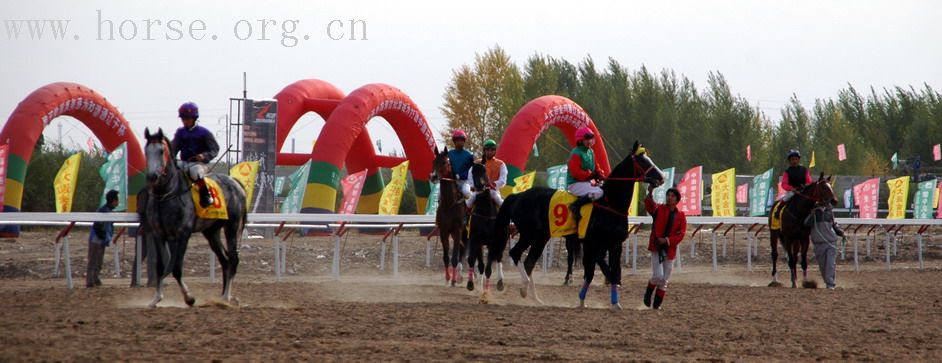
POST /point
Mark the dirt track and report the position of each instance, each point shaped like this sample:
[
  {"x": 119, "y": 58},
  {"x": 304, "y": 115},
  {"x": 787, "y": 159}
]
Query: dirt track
[{"x": 369, "y": 315}]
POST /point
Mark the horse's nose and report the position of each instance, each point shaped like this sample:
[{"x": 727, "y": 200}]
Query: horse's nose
[{"x": 151, "y": 177}]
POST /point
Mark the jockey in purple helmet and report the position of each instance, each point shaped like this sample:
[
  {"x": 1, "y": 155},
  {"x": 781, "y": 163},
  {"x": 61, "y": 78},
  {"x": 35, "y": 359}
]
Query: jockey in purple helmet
[
  {"x": 461, "y": 161},
  {"x": 196, "y": 146}
]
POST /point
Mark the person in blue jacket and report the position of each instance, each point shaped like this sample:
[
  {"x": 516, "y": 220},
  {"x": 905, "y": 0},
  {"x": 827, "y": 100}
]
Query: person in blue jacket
[{"x": 98, "y": 239}]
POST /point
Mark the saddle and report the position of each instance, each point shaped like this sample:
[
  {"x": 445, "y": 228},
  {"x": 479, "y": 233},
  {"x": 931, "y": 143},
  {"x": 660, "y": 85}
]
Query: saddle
[
  {"x": 218, "y": 209},
  {"x": 777, "y": 209},
  {"x": 561, "y": 222}
]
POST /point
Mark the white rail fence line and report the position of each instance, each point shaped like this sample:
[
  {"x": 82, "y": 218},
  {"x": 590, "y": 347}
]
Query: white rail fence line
[{"x": 336, "y": 226}]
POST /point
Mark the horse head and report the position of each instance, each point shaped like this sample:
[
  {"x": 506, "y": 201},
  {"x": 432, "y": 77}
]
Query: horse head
[
  {"x": 821, "y": 191},
  {"x": 639, "y": 166},
  {"x": 159, "y": 156},
  {"x": 479, "y": 176},
  {"x": 441, "y": 167}
]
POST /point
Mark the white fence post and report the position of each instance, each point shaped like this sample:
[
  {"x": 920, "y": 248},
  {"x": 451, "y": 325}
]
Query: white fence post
[
  {"x": 382, "y": 255},
  {"x": 68, "y": 261},
  {"x": 139, "y": 245},
  {"x": 396, "y": 254},
  {"x": 886, "y": 248},
  {"x": 428, "y": 253},
  {"x": 714, "y": 250},
  {"x": 335, "y": 266},
  {"x": 57, "y": 249},
  {"x": 634, "y": 254},
  {"x": 277, "y": 264},
  {"x": 748, "y": 252},
  {"x": 856, "y": 255},
  {"x": 117, "y": 260}
]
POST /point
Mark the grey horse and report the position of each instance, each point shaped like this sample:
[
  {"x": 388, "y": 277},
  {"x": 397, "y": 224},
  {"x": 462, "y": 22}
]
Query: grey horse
[{"x": 168, "y": 218}]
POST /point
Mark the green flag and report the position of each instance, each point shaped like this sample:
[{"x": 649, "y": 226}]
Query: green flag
[
  {"x": 432, "y": 206},
  {"x": 115, "y": 173},
  {"x": 298, "y": 179},
  {"x": 923, "y": 199},
  {"x": 895, "y": 160},
  {"x": 556, "y": 176},
  {"x": 660, "y": 193},
  {"x": 760, "y": 193}
]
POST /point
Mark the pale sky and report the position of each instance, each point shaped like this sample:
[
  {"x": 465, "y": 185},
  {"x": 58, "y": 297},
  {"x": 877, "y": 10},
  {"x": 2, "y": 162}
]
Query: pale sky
[{"x": 767, "y": 50}]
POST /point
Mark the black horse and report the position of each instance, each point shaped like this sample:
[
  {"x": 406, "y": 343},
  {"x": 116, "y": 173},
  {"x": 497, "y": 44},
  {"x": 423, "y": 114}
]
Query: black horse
[
  {"x": 168, "y": 218},
  {"x": 795, "y": 237},
  {"x": 481, "y": 233},
  {"x": 608, "y": 226},
  {"x": 450, "y": 216}
]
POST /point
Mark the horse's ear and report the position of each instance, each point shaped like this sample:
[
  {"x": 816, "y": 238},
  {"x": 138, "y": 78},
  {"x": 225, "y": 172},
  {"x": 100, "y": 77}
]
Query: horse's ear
[
  {"x": 829, "y": 178},
  {"x": 146, "y": 133},
  {"x": 160, "y": 133},
  {"x": 635, "y": 147},
  {"x": 436, "y": 149},
  {"x": 445, "y": 150},
  {"x": 822, "y": 176}
]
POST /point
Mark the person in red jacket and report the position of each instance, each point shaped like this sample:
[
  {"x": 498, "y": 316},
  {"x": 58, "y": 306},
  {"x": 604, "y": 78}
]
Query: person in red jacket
[{"x": 670, "y": 225}]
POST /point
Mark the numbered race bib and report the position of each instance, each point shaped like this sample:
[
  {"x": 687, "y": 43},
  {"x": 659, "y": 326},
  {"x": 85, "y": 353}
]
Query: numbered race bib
[
  {"x": 560, "y": 218},
  {"x": 218, "y": 209}
]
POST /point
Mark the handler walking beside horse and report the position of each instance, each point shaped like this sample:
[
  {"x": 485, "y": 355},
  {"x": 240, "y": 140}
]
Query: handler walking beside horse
[{"x": 670, "y": 225}]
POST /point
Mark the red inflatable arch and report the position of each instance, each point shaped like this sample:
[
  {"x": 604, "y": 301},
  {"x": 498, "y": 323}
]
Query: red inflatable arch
[
  {"x": 34, "y": 113},
  {"x": 321, "y": 97},
  {"x": 343, "y": 133},
  {"x": 534, "y": 118}
]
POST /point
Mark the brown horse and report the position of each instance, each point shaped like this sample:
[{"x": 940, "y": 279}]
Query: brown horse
[
  {"x": 450, "y": 216},
  {"x": 793, "y": 234}
]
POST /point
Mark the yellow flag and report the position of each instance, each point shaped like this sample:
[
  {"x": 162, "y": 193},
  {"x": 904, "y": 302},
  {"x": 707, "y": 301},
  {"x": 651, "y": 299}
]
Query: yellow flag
[
  {"x": 899, "y": 192},
  {"x": 392, "y": 193},
  {"x": 935, "y": 198},
  {"x": 723, "y": 197},
  {"x": 245, "y": 172},
  {"x": 811, "y": 164},
  {"x": 65, "y": 183},
  {"x": 633, "y": 207},
  {"x": 524, "y": 182}
]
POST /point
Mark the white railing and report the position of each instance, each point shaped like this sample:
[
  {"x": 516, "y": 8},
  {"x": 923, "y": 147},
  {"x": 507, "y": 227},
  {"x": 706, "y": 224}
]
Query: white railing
[{"x": 336, "y": 226}]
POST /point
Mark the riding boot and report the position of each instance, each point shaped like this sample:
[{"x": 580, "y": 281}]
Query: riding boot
[
  {"x": 576, "y": 207},
  {"x": 647, "y": 294},
  {"x": 206, "y": 199},
  {"x": 658, "y": 299}
]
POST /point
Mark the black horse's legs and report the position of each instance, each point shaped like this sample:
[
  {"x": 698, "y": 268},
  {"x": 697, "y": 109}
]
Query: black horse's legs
[
  {"x": 178, "y": 268},
  {"x": 572, "y": 244},
  {"x": 474, "y": 256},
  {"x": 161, "y": 265},
  {"x": 589, "y": 259},
  {"x": 773, "y": 242},
  {"x": 793, "y": 261}
]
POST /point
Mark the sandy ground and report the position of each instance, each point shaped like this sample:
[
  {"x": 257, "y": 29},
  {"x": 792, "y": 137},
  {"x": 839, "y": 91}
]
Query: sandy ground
[{"x": 371, "y": 315}]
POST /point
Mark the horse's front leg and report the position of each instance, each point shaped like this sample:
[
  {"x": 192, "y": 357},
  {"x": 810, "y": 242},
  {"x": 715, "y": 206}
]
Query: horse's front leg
[
  {"x": 773, "y": 244},
  {"x": 613, "y": 272},
  {"x": 572, "y": 244},
  {"x": 443, "y": 238},
  {"x": 178, "y": 268}
]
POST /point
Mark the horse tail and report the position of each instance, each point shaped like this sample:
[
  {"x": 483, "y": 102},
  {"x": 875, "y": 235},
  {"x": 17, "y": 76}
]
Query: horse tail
[{"x": 501, "y": 224}]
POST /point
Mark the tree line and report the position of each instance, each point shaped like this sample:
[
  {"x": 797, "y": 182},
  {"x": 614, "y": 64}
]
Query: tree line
[{"x": 686, "y": 125}]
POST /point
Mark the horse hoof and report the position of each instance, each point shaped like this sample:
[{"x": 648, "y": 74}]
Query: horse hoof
[
  {"x": 470, "y": 285},
  {"x": 454, "y": 283},
  {"x": 500, "y": 285},
  {"x": 582, "y": 304},
  {"x": 567, "y": 282},
  {"x": 484, "y": 299},
  {"x": 809, "y": 284},
  {"x": 616, "y": 306},
  {"x": 190, "y": 301},
  {"x": 523, "y": 292},
  {"x": 775, "y": 284}
]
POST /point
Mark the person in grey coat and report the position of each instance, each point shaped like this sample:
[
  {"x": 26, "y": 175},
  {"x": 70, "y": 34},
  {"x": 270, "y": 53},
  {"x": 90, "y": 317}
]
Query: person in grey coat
[{"x": 824, "y": 235}]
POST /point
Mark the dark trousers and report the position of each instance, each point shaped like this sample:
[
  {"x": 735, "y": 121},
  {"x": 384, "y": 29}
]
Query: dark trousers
[{"x": 96, "y": 254}]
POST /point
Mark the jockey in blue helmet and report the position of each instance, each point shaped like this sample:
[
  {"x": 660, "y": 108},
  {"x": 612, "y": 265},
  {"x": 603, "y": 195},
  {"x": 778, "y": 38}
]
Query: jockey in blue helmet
[{"x": 197, "y": 147}]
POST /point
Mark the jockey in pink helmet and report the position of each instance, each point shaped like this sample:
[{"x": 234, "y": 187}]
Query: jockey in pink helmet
[{"x": 582, "y": 172}]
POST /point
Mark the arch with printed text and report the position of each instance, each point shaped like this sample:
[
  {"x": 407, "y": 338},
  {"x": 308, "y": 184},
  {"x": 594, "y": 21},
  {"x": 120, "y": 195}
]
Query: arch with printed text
[
  {"x": 36, "y": 111},
  {"x": 322, "y": 98},
  {"x": 343, "y": 134},
  {"x": 536, "y": 117}
]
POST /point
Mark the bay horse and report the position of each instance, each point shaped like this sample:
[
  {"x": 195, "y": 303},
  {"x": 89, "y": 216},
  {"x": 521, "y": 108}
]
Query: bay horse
[
  {"x": 450, "y": 215},
  {"x": 608, "y": 224},
  {"x": 794, "y": 236},
  {"x": 481, "y": 233},
  {"x": 169, "y": 218}
]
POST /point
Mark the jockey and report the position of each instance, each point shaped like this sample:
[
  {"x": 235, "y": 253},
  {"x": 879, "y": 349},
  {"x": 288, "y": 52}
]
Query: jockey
[
  {"x": 582, "y": 171},
  {"x": 461, "y": 161},
  {"x": 196, "y": 146},
  {"x": 795, "y": 176},
  {"x": 496, "y": 172}
]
